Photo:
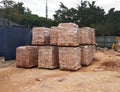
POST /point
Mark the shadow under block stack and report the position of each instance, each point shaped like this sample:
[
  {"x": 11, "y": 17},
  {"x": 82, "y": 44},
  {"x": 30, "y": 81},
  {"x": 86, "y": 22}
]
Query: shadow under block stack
[
  {"x": 48, "y": 57},
  {"x": 27, "y": 56}
]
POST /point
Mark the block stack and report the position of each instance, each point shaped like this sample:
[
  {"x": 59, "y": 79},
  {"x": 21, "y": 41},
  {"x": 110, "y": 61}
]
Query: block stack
[
  {"x": 47, "y": 55},
  {"x": 65, "y": 46},
  {"x": 69, "y": 50},
  {"x": 87, "y": 44}
]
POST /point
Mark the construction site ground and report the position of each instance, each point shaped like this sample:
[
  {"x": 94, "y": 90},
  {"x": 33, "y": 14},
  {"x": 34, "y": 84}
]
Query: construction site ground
[{"x": 103, "y": 75}]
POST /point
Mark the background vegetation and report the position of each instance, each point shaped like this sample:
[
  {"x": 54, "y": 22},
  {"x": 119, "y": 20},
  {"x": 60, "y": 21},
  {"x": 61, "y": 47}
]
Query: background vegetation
[{"x": 85, "y": 14}]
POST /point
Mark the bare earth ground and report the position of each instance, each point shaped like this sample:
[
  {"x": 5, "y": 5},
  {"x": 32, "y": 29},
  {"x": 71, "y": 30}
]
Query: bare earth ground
[{"x": 103, "y": 75}]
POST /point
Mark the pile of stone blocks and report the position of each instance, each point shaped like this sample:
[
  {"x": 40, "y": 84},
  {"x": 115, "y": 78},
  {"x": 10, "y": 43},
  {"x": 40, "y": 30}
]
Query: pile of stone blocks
[
  {"x": 76, "y": 46},
  {"x": 69, "y": 50},
  {"x": 47, "y": 55},
  {"x": 87, "y": 45},
  {"x": 65, "y": 46}
]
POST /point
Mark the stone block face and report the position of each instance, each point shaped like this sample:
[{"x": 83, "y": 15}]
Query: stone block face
[
  {"x": 48, "y": 57},
  {"x": 40, "y": 36},
  {"x": 69, "y": 58},
  {"x": 27, "y": 56}
]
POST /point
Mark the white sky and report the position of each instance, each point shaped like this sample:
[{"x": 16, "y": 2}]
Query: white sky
[{"x": 38, "y": 6}]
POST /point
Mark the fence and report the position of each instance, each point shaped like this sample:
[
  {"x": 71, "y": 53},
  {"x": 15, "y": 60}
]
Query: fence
[
  {"x": 11, "y": 38},
  {"x": 105, "y": 41}
]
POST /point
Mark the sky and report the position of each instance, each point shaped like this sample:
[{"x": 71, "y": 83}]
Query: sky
[{"x": 38, "y": 6}]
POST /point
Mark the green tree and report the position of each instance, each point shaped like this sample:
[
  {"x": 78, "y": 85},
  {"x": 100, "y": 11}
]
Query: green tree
[
  {"x": 60, "y": 15},
  {"x": 86, "y": 14},
  {"x": 90, "y": 14},
  {"x": 30, "y": 20},
  {"x": 17, "y": 13}
]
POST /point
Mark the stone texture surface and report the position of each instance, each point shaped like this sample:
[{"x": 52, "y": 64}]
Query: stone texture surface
[
  {"x": 54, "y": 35},
  {"x": 93, "y": 51},
  {"x": 117, "y": 39},
  {"x": 68, "y": 25},
  {"x": 92, "y": 35},
  {"x": 84, "y": 36},
  {"x": 86, "y": 55},
  {"x": 48, "y": 57},
  {"x": 27, "y": 56},
  {"x": 68, "y": 35},
  {"x": 69, "y": 58},
  {"x": 40, "y": 36}
]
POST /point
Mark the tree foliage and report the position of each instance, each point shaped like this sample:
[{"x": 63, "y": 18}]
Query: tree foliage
[
  {"x": 89, "y": 14},
  {"x": 17, "y": 13},
  {"x": 30, "y": 20},
  {"x": 85, "y": 14}
]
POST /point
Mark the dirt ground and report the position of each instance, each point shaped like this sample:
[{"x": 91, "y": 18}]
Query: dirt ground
[{"x": 103, "y": 75}]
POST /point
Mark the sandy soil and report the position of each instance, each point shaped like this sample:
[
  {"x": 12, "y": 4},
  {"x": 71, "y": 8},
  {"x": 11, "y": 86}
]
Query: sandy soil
[{"x": 103, "y": 75}]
